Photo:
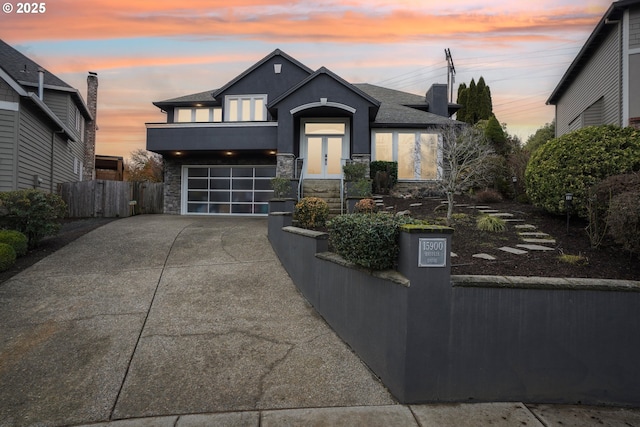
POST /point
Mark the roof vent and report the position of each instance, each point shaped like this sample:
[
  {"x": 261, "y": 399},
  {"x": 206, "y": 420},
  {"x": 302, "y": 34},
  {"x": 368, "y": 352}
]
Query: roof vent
[{"x": 277, "y": 68}]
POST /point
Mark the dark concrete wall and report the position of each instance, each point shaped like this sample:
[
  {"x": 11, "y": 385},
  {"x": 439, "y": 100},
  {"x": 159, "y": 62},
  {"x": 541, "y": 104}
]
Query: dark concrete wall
[{"x": 501, "y": 340}]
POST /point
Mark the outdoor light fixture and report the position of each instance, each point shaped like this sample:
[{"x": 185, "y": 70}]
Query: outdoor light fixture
[
  {"x": 229, "y": 153},
  {"x": 568, "y": 203}
]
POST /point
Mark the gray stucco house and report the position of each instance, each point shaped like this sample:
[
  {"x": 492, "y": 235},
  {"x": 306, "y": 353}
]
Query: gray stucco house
[
  {"x": 47, "y": 132},
  {"x": 602, "y": 84},
  {"x": 280, "y": 118}
]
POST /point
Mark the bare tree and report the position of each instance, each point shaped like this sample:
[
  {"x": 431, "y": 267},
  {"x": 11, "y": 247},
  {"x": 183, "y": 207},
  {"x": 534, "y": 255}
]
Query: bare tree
[
  {"x": 463, "y": 164},
  {"x": 144, "y": 166}
]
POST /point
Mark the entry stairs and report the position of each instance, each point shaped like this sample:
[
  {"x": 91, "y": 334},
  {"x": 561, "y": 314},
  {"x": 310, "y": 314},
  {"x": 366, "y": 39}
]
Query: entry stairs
[{"x": 329, "y": 190}]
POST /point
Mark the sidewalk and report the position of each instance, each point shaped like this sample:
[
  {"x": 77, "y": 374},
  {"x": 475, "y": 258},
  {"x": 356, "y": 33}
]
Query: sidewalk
[{"x": 190, "y": 321}]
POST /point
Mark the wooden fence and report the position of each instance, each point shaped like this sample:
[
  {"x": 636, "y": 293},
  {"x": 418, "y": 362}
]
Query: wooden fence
[{"x": 111, "y": 199}]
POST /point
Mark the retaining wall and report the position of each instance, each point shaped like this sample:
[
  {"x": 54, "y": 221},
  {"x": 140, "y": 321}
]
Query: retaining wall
[{"x": 434, "y": 337}]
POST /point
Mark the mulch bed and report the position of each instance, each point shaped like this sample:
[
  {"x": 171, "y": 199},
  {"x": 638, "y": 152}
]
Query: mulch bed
[{"x": 606, "y": 262}]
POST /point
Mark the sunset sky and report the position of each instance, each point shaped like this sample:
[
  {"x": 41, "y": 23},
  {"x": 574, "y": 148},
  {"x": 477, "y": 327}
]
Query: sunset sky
[{"x": 151, "y": 50}]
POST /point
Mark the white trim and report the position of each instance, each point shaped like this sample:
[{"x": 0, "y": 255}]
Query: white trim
[
  {"x": 14, "y": 85},
  {"x": 11, "y": 106},
  {"x": 323, "y": 104},
  {"x": 346, "y": 140},
  {"x": 210, "y": 125},
  {"x": 252, "y": 99},
  {"x": 625, "y": 69}
]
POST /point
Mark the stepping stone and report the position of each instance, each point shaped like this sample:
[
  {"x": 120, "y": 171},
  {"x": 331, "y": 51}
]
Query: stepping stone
[
  {"x": 415, "y": 205},
  {"x": 533, "y": 234},
  {"x": 462, "y": 205},
  {"x": 389, "y": 208},
  {"x": 513, "y": 250},
  {"x": 454, "y": 255},
  {"x": 513, "y": 220},
  {"x": 488, "y": 211},
  {"x": 537, "y": 241},
  {"x": 531, "y": 247},
  {"x": 501, "y": 214},
  {"x": 526, "y": 227},
  {"x": 484, "y": 256}
]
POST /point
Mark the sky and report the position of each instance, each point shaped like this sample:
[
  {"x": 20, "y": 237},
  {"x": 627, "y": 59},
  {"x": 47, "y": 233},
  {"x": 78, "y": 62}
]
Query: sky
[{"x": 152, "y": 50}]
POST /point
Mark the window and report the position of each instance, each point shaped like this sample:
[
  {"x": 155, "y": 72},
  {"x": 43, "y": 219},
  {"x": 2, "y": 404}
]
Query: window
[
  {"x": 415, "y": 151},
  {"x": 249, "y": 108},
  {"x": 198, "y": 114}
]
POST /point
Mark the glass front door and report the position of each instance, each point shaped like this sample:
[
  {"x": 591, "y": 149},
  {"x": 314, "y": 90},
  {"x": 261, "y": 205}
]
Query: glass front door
[{"x": 325, "y": 148}]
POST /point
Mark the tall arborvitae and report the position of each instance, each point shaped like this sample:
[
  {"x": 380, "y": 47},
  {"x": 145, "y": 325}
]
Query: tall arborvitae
[{"x": 475, "y": 101}]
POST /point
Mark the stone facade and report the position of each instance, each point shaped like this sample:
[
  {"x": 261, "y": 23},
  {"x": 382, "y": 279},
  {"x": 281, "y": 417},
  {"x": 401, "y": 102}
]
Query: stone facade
[
  {"x": 362, "y": 158},
  {"x": 285, "y": 165},
  {"x": 90, "y": 129}
]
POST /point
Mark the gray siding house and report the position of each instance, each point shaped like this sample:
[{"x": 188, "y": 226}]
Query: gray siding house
[
  {"x": 47, "y": 132},
  {"x": 221, "y": 147},
  {"x": 602, "y": 84}
]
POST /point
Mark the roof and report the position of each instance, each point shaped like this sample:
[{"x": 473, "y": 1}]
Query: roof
[
  {"x": 205, "y": 97},
  {"x": 25, "y": 72},
  {"x": 612, "y": 15},
  {"x": 248, "y": 71},
  {"x": 399, "y": 108}
]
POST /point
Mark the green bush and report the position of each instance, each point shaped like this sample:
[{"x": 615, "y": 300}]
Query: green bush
[
  {"x": 384, "y": 175},
  {"x": 311, "y": 212},
  {"x": 370, "y": 241},
  {"x": 7, "y": 256},
  {"x": 282, "y": 188},
  {"x": 354, "y": 171},
  {"x": 578, "y": 160},
  {"x": 490, "y": 223},
  {"x": 624, "y": 220},
  {"x": 34, "y": 213},
  {"x": 16, "y": 239}
]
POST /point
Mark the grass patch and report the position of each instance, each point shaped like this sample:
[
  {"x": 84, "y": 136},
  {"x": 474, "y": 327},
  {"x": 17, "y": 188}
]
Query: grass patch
[
  {"x": 491, "y": 223},
  {"x": 574, "y": 259}
]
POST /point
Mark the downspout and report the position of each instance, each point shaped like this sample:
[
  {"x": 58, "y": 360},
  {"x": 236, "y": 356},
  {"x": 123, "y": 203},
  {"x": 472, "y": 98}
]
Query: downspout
[{"x": 53, "y": 142}]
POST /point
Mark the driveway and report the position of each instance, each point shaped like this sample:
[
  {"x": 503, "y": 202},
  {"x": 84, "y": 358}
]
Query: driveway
[{"x": 165, "y": 315}]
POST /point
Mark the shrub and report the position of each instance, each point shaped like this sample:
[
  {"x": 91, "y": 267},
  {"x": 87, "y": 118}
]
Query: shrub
[
  {"x": 7, "y": 256},
  {"x": 16, "y": 239},
  {"x": 311, "y": 212},
  {"x": 624, "y": 220},
  {"x": 384, "y": 175},
  {"x": 573, "y": 259},
  {"x": 490, "y": 223},
  {"x": 354, "y": 171},
  {"x": 33, "y": 213},
  {"x": 578, "y": 160},
  {"x": 370, "y": 241},
  {"x": 488, "y": 196},
  {"x": 600, "y": 196},
  {"x": 365, "y": 206},
  {"x": 281, "y": 187}
]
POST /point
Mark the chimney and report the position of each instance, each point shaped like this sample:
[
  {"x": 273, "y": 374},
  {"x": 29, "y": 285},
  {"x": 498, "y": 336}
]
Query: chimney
[
  {"x": 438, "y": 100},
  {"x": 90, "y": 128},
  {"x": 41, "y": 83}
]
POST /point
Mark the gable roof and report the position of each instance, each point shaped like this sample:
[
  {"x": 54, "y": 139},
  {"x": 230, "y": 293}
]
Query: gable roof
[
  {"x": 613, "y": 14},
  {"x": 248, "y": 71},
  {"x": 205, "y": 98},
  {"x": 24, "y": 71},
  {"x": 337, "y": 78},
  {"x": 399, "y": 108}
]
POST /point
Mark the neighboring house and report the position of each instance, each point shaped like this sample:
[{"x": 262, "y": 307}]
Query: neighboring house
[
  {"x": 602, "y": 84},
  {"x": 47, "y": 132},
  {"x": 280, "y": 118}
]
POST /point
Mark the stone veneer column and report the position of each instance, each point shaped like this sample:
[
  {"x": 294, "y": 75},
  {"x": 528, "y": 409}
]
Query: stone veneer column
[
  {"x": 285, "y": 165},
  {"x": 362, "y": 158},
  {"x": 172, "y": 186},
  {"x": 89, "y": 160}
]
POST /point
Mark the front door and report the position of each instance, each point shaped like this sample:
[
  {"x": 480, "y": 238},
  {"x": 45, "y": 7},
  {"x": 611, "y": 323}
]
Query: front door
[{"x": 325, "y": 146}]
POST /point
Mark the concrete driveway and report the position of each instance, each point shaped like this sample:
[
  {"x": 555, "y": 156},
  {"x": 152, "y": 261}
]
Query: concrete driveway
[{"x": 166, "y": 315}]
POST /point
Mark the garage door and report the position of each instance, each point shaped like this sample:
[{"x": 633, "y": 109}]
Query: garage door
[{"x": 227, "y": 190}]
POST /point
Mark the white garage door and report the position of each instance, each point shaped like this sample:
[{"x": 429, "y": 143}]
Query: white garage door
[{"x": 227, "y": 190}]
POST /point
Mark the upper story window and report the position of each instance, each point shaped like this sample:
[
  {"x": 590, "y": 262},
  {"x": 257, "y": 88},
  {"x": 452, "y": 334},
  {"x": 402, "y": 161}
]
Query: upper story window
[
  {"x": 246, "y": 108},
  {"x": 198, "y": 114}
]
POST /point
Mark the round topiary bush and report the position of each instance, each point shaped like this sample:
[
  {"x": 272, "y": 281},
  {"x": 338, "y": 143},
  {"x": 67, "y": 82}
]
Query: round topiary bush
[
  {"x": 311, "y": 212},
  {"x": 365, "y": 206},
  {"x": 7, "y": 256},
  {"x": 16, "y": 239},
  {"x": 624, "y": 220},
  {"x": 578, "y": 160}
]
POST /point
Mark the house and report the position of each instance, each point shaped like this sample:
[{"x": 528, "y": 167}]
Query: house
[
  {"x": 47, "y": 132},
  {"x": 601, "y": 85},
  {"x": 280, "y": 118}
]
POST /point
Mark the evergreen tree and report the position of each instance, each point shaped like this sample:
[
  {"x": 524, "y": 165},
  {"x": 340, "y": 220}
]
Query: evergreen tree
[
  {"x": 475, "y": 101},
  {"x": 472, "y": 103},
  {"x": 463, "y": 93},
  {"x": 485, "y": 107},
  {"x": 496, "y": 135}
]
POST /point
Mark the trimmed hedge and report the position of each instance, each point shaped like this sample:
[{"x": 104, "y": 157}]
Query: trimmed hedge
[
  {"x": 16, "y": 239},
  {"x": 368, "y": 240},
  {"x": 7, "y": 256},
  {"x": 578, "y": 160}
]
